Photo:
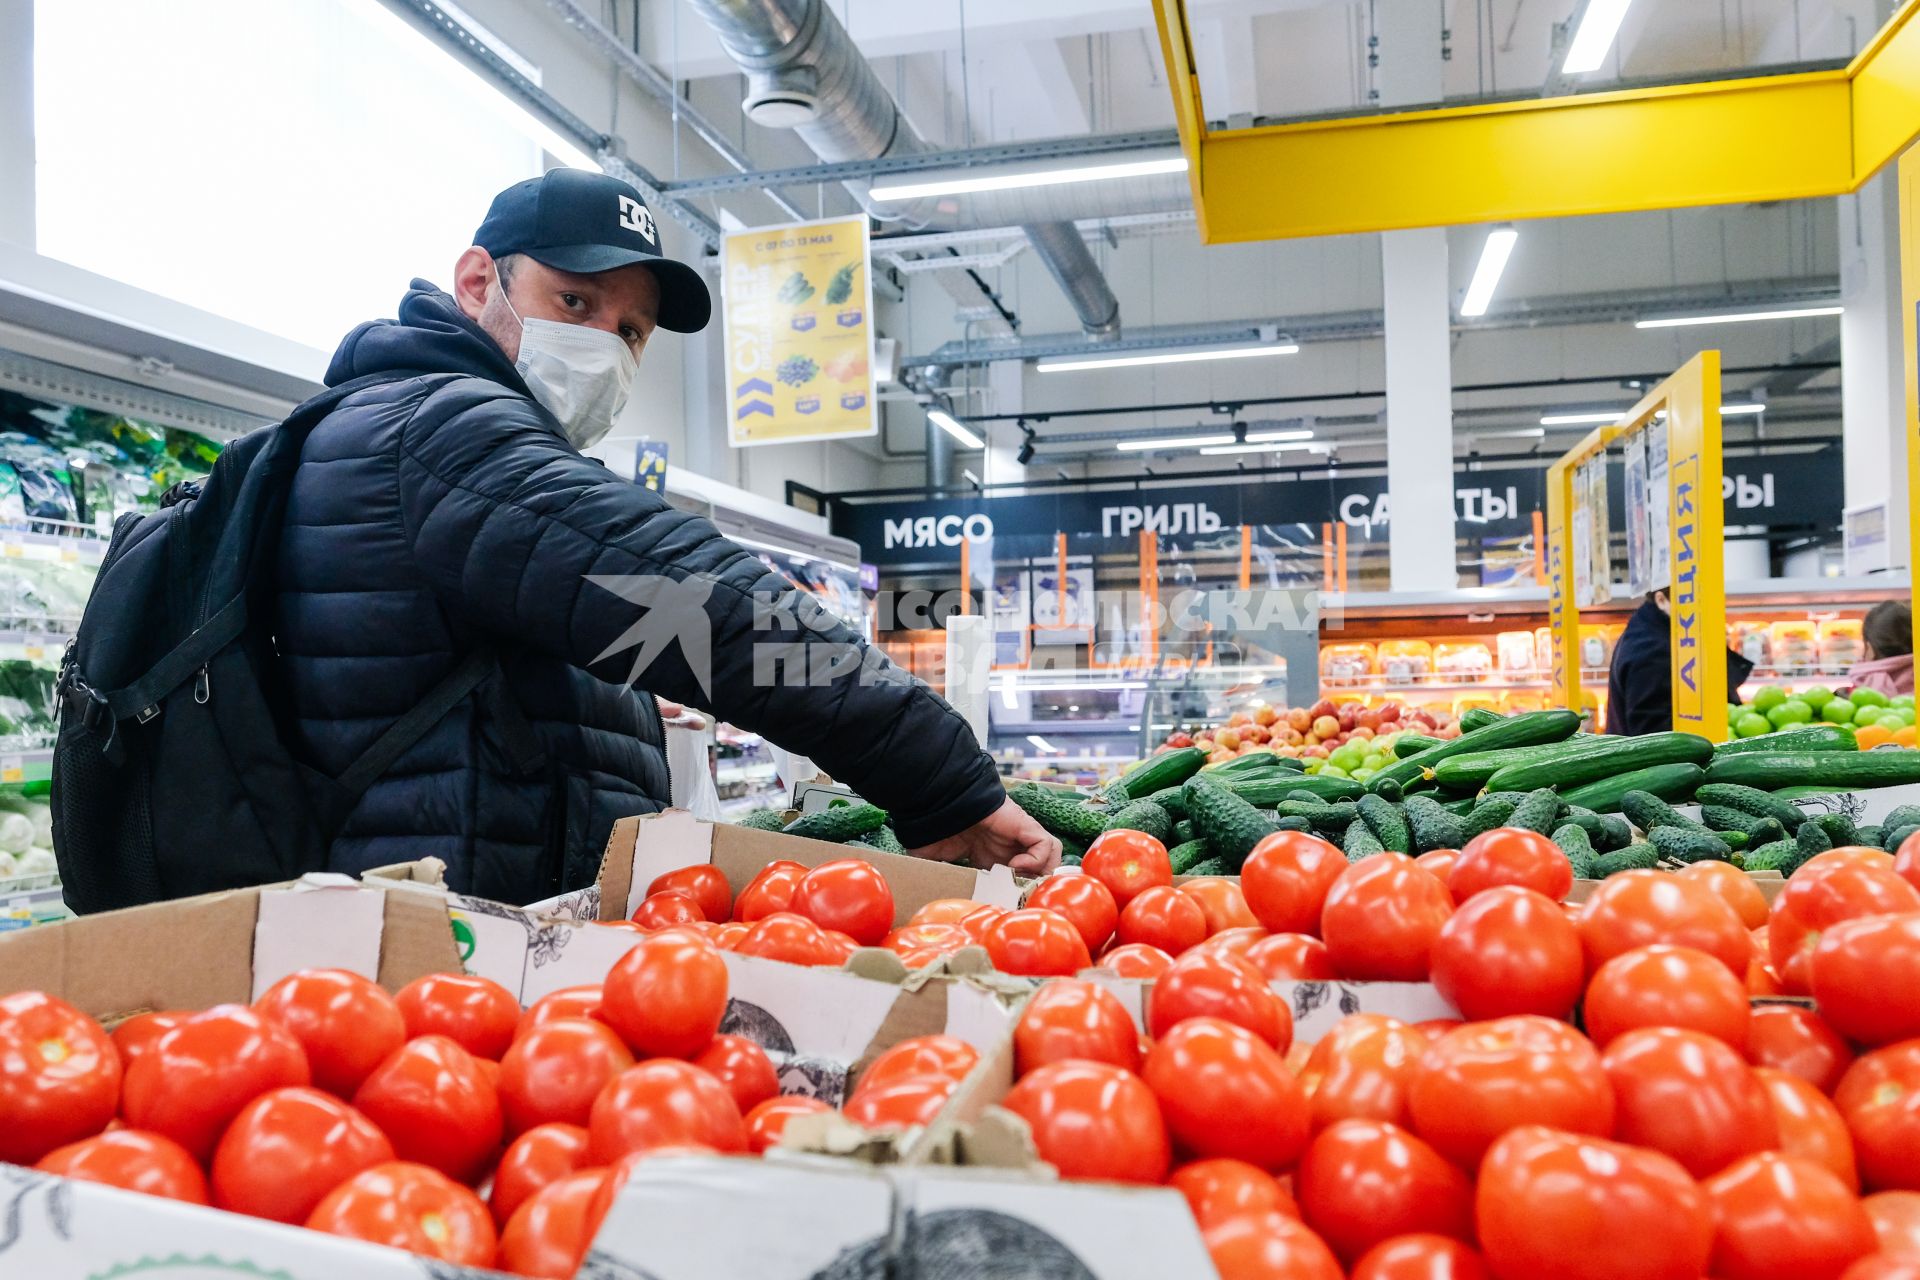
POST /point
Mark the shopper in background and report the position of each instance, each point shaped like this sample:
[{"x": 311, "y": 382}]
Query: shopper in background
[
  {"x": 1640, "y": 684},
  {"x": 449, "y": 509},
  {"x": 1888, "y": 633}
]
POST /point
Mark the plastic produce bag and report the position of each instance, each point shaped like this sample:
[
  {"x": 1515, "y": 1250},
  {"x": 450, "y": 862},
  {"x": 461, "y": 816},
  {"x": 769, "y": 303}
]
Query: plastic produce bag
[{"x": 693, "y": 788}]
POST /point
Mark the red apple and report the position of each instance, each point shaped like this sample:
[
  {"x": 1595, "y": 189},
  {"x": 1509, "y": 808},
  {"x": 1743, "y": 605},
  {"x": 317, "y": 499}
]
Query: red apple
[
  {"x": 1361, "y": 732},
  {"x": 1300, "y": 719},
  {"x": 1324, "y": 707},
  {"x": 1325, "y": 727},
  {"x": 1266, "y": 717}
]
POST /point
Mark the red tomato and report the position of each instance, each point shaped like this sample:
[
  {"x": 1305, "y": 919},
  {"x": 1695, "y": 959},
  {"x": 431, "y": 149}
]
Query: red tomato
[
  {"x": 769, "y": 892},
  {"x": 1811, "y": 1128},
  {"x": 909, "y": 1102},
  {"x": 1639, "y": 908},
  {"x": 1865, "y": 977},
  {"x": 1362, "y": 1181},
  {"x": 1221, "y": 903},
  {"x": 1035, "y": 942},
  {"x": 1896, "y": 1219},
  {"x": 1906, "y": 861},
  {"x": 912, "y": 938},
  {"x": 663, "y": 1103},
  {"x": 667, "y": 908},
  {"x": 1733, "y": 885},
  {"x": 1286, "y": 879},
  {"x": 1420, "y": 1257},
  {"x": 136, "y": 1035},
  {"x": 1234, "y": 942},
  {"x": 1475, "y": 1083},
  {"x": 1508, "y": 950},
  {"x": 974, "y": 923},
  {"x": 1136, "y": 961},
  {"x": 1073, "y": 1019},
  {"x": 554, "y": 1072},
  {"x": 705, "y": 883},
  {"x": 477, "y": 1014},
  {"x": 411, "y": 1207},
  {"x": 434, "y": 1101},
  {"x": 1092, "y": 1120},
  {"x": 1268, "y": 1246},
  {"x": 946, "y": 911},
  {"x": 1663, "y": 986},
  {"x": 1219, "y": 987},
  {"x": 195, "y": 1079},
  {"x": 1360, "y": 1070},
  {"x": 785, "y": 936},
  {"x": 930, "y": 1055},
  {"x": 1508, "y": 855},
  {"x": 1127, "y": 862},
  {"x": 1799, "y": 1042},
  {"x": 1162, "y": 917},
  {"x": 666, "y": 997},
  {"x": 1291, "y": 957},
  {"x": 59, "y": 1076},
  {"x": 1084, "y": 901},
  {"x": 729, "y": 936},
  {"x": 548, "y": 1235},
  {"x": 766, "y": 1122},
  {"x": 1220, "y": 1189},
  {"x": 743, "y": 1067},
  {"x": 567, "y": 1002},
  {"x": 1880, "y": 1266},
  {"x": 290, "y": 1147},
  {"x": 133, "y": 1160},
  {"x": 1812, "y": 904},
  {"x": 1226, "y": 1092},
  {"x": 1778, "y": 1218},
  {"x": 1880, "y": 1098},
  {"x": 542, "y": 1155},
  {"x": 1577, "y": 1208},
  {"x": 847, "y": 895},
  {"x": 346, "y": 1024},
  {"x": 1439, "y": 864},
  {"x": 1689, "y": 1096},
  {"x": 1382, "y": 917}
]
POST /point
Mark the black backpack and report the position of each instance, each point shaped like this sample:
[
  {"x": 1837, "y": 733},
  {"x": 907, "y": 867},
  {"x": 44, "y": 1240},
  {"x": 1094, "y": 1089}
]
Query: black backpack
[{"x": 170, "y": 776}]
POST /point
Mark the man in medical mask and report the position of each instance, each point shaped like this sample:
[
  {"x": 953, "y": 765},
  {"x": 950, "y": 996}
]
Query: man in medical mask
[{"x": 445, "y": 510}]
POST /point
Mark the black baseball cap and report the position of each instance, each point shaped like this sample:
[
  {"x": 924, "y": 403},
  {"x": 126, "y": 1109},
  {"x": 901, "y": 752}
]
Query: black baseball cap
[{"x": 584, "y": 222}]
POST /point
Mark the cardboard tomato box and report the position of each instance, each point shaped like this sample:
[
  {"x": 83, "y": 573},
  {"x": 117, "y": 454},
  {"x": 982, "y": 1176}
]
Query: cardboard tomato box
[{"x": 820, "y": 1027}]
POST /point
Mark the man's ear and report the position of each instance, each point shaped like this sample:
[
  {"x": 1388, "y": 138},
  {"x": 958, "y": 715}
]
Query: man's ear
[{"x": 473, "y": 277}]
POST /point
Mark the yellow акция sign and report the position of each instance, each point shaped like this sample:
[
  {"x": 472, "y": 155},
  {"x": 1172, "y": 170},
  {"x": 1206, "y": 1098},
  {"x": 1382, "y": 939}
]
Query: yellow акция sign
[{"x": 798, "y": 301}]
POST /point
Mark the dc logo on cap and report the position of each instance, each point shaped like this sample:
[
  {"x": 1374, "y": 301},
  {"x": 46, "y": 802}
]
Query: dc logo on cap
[{"x": 635, "y": 216}]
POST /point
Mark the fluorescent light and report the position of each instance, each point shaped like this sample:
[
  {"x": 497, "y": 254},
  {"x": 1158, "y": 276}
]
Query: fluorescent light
[
  {"x": 1486, "y": 276},
  {"x": 951, "y": 425},
  {"x": 1016, "y": 181},
  {"x": 1169, "y": 357},
  {"x": 1737, "y": 317},
  {"x": 1264, "y": 448},
  {"x": 1524, "y": 433},
  {"x": 1274, "y": 437},
  {"x": 1741, "y": 410},
  {"x": 1042, "y": 743},
  {"x": 1577, "y": 419},
  {"x": 1595, "y": 37},
  {"x": 1172, "y": 442}
]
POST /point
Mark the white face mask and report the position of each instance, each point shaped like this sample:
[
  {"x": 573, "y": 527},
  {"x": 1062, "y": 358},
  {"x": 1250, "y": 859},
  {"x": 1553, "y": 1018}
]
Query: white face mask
[{"x": 578, "y": 374}]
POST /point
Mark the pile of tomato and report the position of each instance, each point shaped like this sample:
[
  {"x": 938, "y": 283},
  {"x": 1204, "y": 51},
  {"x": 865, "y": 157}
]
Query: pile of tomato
[
  {"x": 1685, "y": 1132},
  {"x": 443, "y": 1118}
]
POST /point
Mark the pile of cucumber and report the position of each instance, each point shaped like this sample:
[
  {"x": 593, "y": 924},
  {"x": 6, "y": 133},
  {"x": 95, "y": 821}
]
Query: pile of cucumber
[
  {"x": 842, "y": 822},
  {"x": 1606, "y": 801}
]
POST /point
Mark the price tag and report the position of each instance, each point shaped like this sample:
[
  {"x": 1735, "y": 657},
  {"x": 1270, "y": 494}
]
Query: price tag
[
  {"x": 33, "y": 652},
  {"x": 68, "y": 555},
  {"x": 13, "y": 550},
  {"x": 12, "y": 769}
]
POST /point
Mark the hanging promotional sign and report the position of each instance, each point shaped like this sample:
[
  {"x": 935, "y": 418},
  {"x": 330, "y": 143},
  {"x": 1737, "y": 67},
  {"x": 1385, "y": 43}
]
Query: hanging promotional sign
[
  {"x": 650, "y": 464},
  {"x": 1639, "y": 548},
  {"x": 798, "y": 304}
]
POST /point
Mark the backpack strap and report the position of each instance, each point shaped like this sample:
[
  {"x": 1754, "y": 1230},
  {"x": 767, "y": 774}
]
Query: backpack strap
[{"x": 466, "y": 676}]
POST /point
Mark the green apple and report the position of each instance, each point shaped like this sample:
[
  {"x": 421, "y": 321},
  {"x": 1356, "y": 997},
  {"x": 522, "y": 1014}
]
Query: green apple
[
  {"x": 1347, "y": 757},
  {"x": 1374, "y": 762},
  {"x": 1362, "y": 774},
  {"x": 1900, "y": 700},
  {"x": 1752, "y": 724},
  {"x": 1332, "y": 770},
  {"x": 1767, "y": 697},
  {"x": 1869, "y": 697},
  {"x": 1792, "y": 711},
  {"x": 1864, "y": 716},
  {"x": 1838, "y": 711},
  {"x": 1816, "y": 697},
  {"x": 1314, "y": 764},
  {"x": 1904, "y": 713}
]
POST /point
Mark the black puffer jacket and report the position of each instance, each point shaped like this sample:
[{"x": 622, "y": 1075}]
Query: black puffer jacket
[{"x": 444, "y": 510}]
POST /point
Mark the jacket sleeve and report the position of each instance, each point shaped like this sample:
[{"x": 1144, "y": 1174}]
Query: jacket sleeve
[{"x": 524, "y": 539}]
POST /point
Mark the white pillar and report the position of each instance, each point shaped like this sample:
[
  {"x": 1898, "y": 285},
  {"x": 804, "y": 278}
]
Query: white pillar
[
  {"x": 1419, "y": 334},
  {"x": 1872, "y": 378},
  {"x": 16, "y": 122}
]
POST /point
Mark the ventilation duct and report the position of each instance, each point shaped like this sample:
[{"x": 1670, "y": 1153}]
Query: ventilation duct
[{"x": 804, "y": 73}]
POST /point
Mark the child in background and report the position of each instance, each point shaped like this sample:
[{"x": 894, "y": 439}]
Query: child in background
[{"x": 1888, "y": 633}]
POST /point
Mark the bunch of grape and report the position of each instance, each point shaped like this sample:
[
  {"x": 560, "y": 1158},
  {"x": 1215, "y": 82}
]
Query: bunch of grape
[{"x": 797, "y": 371}]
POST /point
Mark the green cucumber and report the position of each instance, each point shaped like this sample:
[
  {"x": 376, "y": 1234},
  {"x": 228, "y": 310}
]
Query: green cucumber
[
  {"x": 1906, "y": 815},
  {"x": 1360, "y": 842},
  {"x": 1489, "y": 813},
  {"x": 1606, "y": 831},
  {"x": 1253, "y": 764},
  {"x": 1471, "y": 772},
  {"x": 881, "y": 838},
  {"x": 1635, "y": 857},
  {"x": 1811, "y": 839},
  {"x": 1261, "y": 793},
  {"x": 1184, "y": 856},
  {"x": 1839, "y": 828},
  {"x": 1143, "y": 815},
  {"x": 1897, "y": 836},
  {"x": 1530, "y": 729},
  {"x": 1758, "y": 831},
  {"x": 1158, "y": 772},
  {"x": 1811, "y": 737},
  {"x": 1324, "y": 787},
  {"x": 1292, "y": 824},
  {"x": 838, "y": 824},
  {"x": 1772, "y": 770},
  {"x": 1224, "y": 820},
  {"x": 1769, "y": 856},
  {"x": 1604, "y": 758},
  {"x": 1668, "y": 781},
  {"x": 1678, "y": 844},
  {"x": 1412, "y": 744},
  {"x": 1573, "y": 841},
  {"x": 1478, "y": 718},
  {"x": 763, "y": 820},
  {"x": 1870, "y": 837},
  {"x": 1431, "y": 826},
  {"x": 1297, "y": 796},
  {"x": 1183, "y": 831},
  {"x": 1172, "y": 800},
  {"x": 1059, "y": 813},
  {"x": 1328, "y": 819},
  {"x": 1648, "y": 811},
  {"x": 1537, "y": 812},
  {"x": 1751, "y": 800},
  {"x": 1387, "y": 823},
  {"x": 1211, "y": 867}
]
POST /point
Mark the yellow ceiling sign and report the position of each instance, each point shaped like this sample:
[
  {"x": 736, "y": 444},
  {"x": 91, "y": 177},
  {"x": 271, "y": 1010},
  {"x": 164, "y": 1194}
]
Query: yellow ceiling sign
[{"x": 1720, "y": 142}]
